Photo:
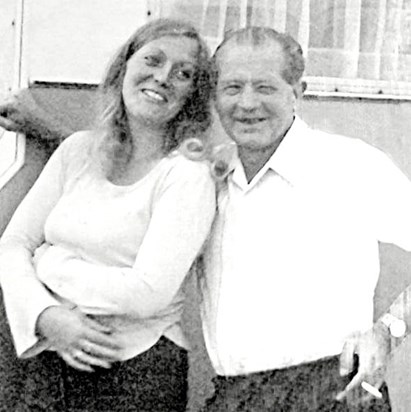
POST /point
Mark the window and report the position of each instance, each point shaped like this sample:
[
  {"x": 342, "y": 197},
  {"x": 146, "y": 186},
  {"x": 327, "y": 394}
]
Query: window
[
  {"x": 69, "y": 41},
  {"x": 360, "y": 46},
  {"x": 72, "y": 41},
  {"x": 352, "y": 47},
  {"x": 12, "y": 145}
]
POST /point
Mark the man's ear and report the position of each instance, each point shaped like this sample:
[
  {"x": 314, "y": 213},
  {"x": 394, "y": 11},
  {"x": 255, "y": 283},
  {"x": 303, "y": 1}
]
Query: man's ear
[{"x": 299, "y": 89}]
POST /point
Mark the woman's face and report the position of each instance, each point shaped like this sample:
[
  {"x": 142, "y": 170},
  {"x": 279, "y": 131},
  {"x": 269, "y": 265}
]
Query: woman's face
[{"x": 159, "y": 79}]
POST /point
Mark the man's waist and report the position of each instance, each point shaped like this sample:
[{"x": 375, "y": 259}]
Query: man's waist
[
  {"x": 244, "y": 351},
  {"x": 306, "y": 365},
  {"x": 232, "y": 365}
]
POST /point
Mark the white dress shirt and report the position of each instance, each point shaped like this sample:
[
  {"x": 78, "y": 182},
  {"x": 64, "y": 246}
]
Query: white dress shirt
[
  {"x": 293, "y": 261},
  {"x": 118, "y": 252}
]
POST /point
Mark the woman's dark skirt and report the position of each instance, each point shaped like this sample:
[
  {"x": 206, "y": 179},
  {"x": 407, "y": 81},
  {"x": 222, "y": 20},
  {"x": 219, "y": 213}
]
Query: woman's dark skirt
[{"x": 154, "y": 381}]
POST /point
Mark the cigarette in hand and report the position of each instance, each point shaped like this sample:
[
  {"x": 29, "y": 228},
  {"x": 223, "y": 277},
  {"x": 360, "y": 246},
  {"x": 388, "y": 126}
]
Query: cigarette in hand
[{"x": 371, "y": 389}]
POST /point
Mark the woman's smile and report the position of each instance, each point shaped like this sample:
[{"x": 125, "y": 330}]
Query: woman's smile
[{"x": 155, "y": 95}]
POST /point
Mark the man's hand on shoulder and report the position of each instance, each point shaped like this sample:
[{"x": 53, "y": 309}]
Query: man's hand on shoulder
[{"x": 20, "y": 112}]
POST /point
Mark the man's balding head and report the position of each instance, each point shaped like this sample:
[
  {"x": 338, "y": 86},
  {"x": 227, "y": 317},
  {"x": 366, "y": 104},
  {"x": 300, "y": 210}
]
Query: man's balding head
[{"x": 294, "y": 63}]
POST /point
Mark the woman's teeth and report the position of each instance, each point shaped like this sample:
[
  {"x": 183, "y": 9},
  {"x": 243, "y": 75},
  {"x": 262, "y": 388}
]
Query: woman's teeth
[{"x": 154, "y": 95}]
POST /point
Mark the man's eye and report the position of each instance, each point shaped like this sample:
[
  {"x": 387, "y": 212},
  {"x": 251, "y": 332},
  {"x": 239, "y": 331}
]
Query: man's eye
[
  {"x": 266, "y": 89},
  {"x": 232, "y": 89},
  {"x": 152, "y": 60}
]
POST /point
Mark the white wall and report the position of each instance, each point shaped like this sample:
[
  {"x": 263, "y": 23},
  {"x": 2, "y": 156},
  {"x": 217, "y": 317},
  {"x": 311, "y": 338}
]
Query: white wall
[
  {"x": 73, "y": 40},
  {"x": 7, "y": 45}
]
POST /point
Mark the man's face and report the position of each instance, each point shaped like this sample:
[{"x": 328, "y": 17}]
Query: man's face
[{"x": 254, "y": 102}]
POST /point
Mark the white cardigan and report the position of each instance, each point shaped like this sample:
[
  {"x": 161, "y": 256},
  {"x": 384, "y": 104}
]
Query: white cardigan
[{"x": 121, "y": 252}]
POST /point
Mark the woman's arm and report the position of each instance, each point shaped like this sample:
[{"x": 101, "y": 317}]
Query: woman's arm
[
  {"x": 180, "y": 223},
  {"x": 24, "y": 295},
  {"x": 26, "y": 298}
]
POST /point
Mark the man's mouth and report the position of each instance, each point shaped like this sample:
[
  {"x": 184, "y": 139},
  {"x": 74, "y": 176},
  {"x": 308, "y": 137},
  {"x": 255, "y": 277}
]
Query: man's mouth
[
  {"x": 154, "y": 95},
  {"x": 251, "y": 121}
]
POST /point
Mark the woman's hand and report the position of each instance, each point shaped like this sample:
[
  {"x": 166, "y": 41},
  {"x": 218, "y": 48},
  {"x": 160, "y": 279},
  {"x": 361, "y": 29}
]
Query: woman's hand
[{"x": 82, "y": 342}]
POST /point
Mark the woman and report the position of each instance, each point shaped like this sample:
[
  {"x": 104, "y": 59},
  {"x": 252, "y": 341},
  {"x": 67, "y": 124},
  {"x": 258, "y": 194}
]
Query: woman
[{"x": 93, "y": 261}]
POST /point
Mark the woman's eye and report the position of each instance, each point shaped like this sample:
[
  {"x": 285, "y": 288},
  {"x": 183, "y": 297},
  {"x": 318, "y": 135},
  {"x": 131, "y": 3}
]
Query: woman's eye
[
  {"x": 184, "y": 74},
  {"x": 152, "y": 60}
]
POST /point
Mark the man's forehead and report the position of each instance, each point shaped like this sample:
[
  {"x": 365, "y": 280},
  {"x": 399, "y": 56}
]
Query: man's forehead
[{"x": 237, "y": 57}]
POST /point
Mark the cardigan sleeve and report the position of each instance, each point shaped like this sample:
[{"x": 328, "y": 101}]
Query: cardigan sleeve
[
  {"x": 180, "y": 222},
  {"x": 25, "y": 296}
]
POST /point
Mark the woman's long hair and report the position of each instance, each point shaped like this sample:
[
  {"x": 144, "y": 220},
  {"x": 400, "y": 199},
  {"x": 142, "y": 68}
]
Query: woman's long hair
[{"x": 193, "y": 119}]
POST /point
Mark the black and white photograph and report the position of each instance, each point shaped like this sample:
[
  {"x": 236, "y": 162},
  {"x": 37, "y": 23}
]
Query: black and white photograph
[{"x": 205, "y": 205}]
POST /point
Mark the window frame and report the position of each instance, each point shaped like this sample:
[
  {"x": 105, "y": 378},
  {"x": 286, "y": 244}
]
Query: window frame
[
  {"x": 357, "y": 88},
  {"x": 20, "y": 80},
  {"x": 20, "y": 152}
]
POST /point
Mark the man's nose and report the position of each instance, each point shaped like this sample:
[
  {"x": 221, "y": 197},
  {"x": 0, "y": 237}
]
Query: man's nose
[{"x": 248, "y": 99}]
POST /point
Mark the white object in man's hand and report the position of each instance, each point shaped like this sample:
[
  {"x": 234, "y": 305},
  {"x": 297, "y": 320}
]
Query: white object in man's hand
[{"x": 372, "y": 348}]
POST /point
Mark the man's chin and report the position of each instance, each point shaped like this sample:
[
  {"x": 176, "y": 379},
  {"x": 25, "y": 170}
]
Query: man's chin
[
  {"x": 249, "y": 138},
  {"x": 245, "y": 135},
  {"x": 252, "y": 146}
]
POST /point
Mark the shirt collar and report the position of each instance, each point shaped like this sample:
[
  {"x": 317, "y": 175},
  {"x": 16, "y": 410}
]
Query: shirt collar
[
  {"x": 292, "y": 153},
  {"x": 287, "y": 161}
]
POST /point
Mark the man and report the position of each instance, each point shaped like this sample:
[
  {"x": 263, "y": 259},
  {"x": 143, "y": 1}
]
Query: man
[{"x": 293, "y": 260}]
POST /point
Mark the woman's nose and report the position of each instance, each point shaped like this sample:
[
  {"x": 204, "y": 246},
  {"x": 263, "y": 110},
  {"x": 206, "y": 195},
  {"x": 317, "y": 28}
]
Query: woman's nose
[{"x": 162, "y": 74}]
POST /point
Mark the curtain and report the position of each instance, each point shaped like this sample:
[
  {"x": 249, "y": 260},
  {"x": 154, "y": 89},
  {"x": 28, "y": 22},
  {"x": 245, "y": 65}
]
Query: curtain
[
  {"x": 346, "y": 39},
  {"x": 366, "y": 43},
  {"x": 360, "y": 39}
]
